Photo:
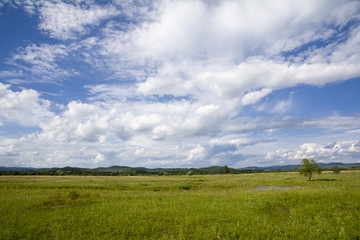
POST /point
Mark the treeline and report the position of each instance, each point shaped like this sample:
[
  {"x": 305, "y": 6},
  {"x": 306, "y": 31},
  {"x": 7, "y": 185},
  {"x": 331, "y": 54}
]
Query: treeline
[{"x": 129, "y": 172}]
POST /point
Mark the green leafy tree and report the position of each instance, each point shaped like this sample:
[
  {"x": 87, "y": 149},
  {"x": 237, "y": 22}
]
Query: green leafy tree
[
  {"x": 336, "y": 169},
  {"x": 226, "y": 169},
  {"x": 309, "y": 167}
]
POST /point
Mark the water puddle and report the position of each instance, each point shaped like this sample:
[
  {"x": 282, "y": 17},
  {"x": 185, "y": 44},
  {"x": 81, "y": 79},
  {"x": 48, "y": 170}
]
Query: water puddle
[{"x": 274, "y": 187}]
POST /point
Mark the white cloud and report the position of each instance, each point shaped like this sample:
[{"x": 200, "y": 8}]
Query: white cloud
[
  {"x": 91, "y": 122},
  {"x": 329, "y": 151},
  {"x": 215, "y": 53},
  {"x": 229, "y": 30},
  {"x": 281, "y": 153},
  {"x": 43, "y": 54},
  {"x": 344, "y": 151},
  {"x": 178, "y": 75},
  {"x": 7, "y": 148},
  {"x": 80, "y": 111},
  {"x": 259, "y": 73},
  {"x": 145, "y": 122},
  {"x": 347, "y": 12},
  {"x": 230, "y": 150},
  {"x": 255, "y": 96},
  {"x": 41, "y": 61},
  {"x": 184, "y": 28},
  {"x": 28, "y": 5},
  {"x": 190, "y": 48},
  {"x": 80, "y": 122},
  {"x": 282, "y": 106},
  {"x": 67, "y": 21},
  {"x": 25, "y": 107},
  {"x": 198, "y": 153},
  {"x": 256, "y": 73},
  {"x": 334, "y": 122},
  {"x": 99, "y": 159},
  {"x": 139, "y": 151},
  {"x": 263, "y": 123},
  {"x": 165, "y": 86},
  {"x": 111, "y": 93},
  {"x": 138, "y": 139}
]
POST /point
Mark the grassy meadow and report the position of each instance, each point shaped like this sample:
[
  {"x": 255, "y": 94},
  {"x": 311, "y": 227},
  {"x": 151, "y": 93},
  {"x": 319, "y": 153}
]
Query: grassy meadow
[{"x": 234, "y": 206}]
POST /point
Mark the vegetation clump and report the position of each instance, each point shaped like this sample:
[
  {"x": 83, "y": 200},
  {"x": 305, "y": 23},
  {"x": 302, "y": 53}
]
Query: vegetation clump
[
  {"x": 336, "y": 169},
  {"x": 226, "y": 169},
  {"x": 309, "y": 167}
]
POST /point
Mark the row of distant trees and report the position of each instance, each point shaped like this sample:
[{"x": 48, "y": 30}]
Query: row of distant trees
[
  {"x": 308, "y": 168},
  {"x": 52, "y": 172}
]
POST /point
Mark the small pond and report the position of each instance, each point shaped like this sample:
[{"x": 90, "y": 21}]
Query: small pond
[{"x": 274, "y": 187}]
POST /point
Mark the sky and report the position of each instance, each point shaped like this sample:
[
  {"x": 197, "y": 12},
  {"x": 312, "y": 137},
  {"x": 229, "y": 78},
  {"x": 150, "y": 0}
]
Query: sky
[{"x": 179, "y": 83}]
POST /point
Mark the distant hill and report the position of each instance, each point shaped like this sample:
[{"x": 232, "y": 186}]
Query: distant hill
[
  {"x": 16, "y": 168},
  {"x": 295, "y": 167},
  {"x": 115, "y": 170},
  {"x": 125, "y": 170}
]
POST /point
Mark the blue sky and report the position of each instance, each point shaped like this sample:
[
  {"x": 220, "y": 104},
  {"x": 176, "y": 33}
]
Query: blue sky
[{"x": 179, "y": 83}]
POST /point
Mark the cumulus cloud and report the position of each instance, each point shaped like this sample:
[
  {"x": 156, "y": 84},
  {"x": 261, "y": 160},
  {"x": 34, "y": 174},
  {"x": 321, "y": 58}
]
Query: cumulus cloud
[
  {"x": 198, "y": 153},
  {"x": 165, "y": 86},
  {"x": 99, "y": 158},
  {"x": 92, "y": 122},
  {"x": 227, "y": 48},
  {"x": 258, "y": 73},
  {"x": 26, "y": 107},
  {"x": 225, "y": 150},
  {"x": 228, "y": 31},
  {"x": 80, "y": 122},
  {"x": 168, "y": 84},
  {"x": 336, "y": 151},
  {"x": 7, "y": 148},
  {"x": 218, "y": 29}
]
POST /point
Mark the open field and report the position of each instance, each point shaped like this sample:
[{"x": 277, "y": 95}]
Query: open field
[{"x": 242, "y": 206}]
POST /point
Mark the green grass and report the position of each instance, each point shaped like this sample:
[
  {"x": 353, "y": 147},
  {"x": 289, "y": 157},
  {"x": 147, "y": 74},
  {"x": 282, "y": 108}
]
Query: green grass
[{"x": 181, "y": 207}]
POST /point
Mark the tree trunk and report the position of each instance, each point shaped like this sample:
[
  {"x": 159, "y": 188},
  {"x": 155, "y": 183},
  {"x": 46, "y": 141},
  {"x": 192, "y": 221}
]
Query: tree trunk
[{"x": 310, "y": 174}]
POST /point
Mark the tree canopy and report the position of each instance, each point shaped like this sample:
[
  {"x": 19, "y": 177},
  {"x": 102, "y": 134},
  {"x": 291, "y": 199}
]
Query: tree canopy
[
  {"x": 336, "y": 169},
  {"x": 308, "y": 167}
]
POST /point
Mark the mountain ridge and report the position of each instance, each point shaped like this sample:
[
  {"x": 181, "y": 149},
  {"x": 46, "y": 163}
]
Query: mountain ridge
[{"x": 211, "y": 169}]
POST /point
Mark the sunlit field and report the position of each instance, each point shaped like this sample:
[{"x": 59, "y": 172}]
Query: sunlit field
[{"x": 242, "y": 206}]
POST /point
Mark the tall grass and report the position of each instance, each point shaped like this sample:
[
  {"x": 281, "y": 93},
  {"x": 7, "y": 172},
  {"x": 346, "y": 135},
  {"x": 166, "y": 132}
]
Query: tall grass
[{"x": 181, "y": 207}]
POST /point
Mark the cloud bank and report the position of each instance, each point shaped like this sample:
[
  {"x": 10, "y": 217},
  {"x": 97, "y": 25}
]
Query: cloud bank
[{"x": 177, "y": 83}]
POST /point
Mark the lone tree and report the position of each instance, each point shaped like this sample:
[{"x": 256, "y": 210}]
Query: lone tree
[
  {"x": 336, "y": 169},
  {"x": 226, "y": 169},
  {"x": 309, "y": 167}
]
